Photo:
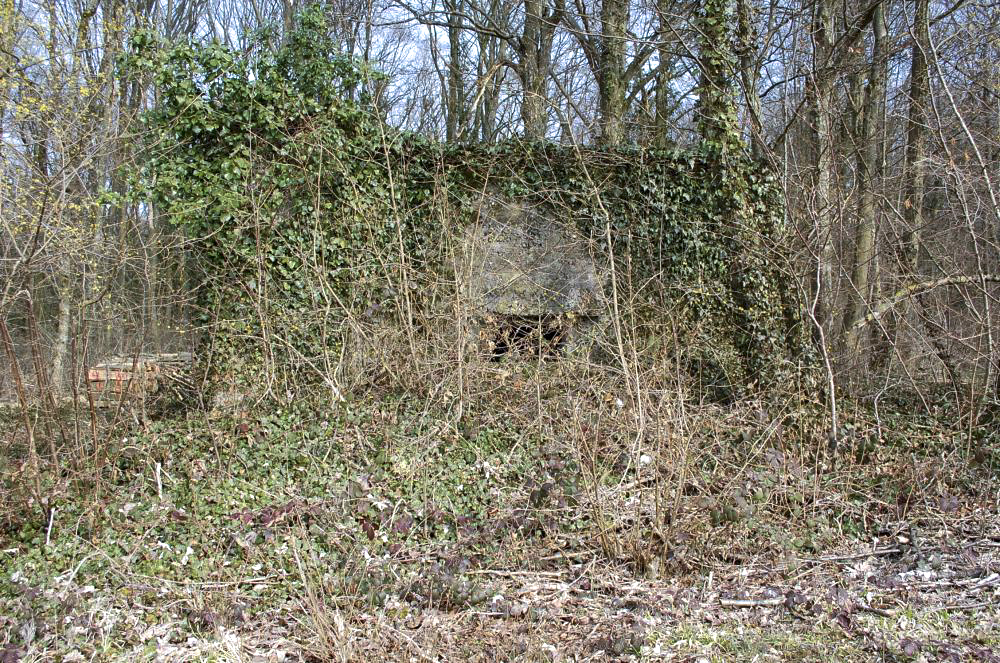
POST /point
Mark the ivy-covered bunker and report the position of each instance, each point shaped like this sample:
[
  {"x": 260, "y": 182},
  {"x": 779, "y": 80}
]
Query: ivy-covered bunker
[{"x": 309, "y": 214}]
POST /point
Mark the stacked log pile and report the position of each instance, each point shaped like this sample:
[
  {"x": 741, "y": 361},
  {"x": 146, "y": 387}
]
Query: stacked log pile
[{"x": 140, "y": 376}]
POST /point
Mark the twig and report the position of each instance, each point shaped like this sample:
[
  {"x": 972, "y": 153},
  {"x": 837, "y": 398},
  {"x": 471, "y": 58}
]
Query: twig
[
  {"x": 274, "y": 579},
  {"x": 871, "y": 553},
  {"x": 48, "y": 531},
  {"x": 917, "y": 288},
  {"x": 500, "y": 572},
  {"x": 573, "y": 555},
  {"x": 751, "y": 603},
  {"x": 991, "y": 579},
  {"x": 864, "y": 607}
]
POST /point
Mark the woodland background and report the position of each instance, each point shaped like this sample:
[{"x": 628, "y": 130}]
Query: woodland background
[
  {"x": 878, "y": 122},
  {"x": 881, "y": 119}
]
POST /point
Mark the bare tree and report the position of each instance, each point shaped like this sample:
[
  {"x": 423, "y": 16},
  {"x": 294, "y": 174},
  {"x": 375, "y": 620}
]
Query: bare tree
[{"x": 869, "y": 158}]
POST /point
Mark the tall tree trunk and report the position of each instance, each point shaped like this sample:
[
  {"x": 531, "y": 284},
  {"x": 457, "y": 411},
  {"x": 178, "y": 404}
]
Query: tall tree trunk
[
  {"x": 288, "y": 10},
  {"x": 914, "y": 173},
  {"x": 716, "y": 111},
  {"x": 663, "y": 77},
  {"x": 749, "y": 66},
  {"x": 491, "y": 52},
  {"x": 916, "y": 134},
  {"x": 535, "y": 51},
  {"x": 611, "y": 70},
  {"x": 533, "y": 111},
  {"x": 534, "y": 114},
  {"x": 870, "y": 157},
  {"x": 60, "y": 351},
  {"x": 456, "y": 108},
  {"x": 820, "y": 92}
]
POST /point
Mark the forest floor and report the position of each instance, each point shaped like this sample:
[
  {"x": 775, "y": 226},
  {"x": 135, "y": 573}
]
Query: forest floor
[{"x": 384, "y": 532}]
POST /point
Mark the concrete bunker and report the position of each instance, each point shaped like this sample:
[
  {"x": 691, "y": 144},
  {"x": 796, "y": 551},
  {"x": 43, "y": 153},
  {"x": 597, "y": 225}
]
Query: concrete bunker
[{"x": 529, "y": 281}]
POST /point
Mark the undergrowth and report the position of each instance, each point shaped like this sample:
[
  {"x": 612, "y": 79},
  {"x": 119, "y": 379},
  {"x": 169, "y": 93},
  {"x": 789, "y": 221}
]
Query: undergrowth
[{"x": 392, "y": 503}]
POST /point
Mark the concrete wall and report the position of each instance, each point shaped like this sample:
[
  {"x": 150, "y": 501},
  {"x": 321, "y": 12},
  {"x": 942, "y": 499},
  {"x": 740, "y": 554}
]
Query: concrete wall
[
  {"x": 522, "y": 264},
  {"x": 524, "y": 261}
]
